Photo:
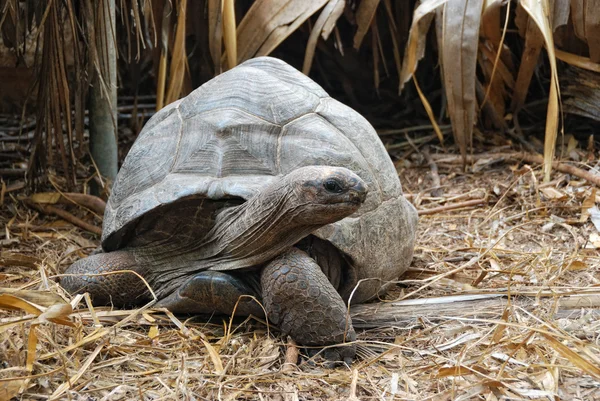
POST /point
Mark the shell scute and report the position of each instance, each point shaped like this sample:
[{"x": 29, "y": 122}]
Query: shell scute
[
  {"x": 268, "y": 95},
  {"x": 149, "y": 162},
  {"x": 227, "y": 142}
]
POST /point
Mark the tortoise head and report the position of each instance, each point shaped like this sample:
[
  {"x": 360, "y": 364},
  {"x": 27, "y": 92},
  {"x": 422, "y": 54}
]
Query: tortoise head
[{"x": 325, "y": 194}]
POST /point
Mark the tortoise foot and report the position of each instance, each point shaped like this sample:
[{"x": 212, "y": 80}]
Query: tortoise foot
[
  {"x": 300, "y": 299},
  {"x": 212, "y": 292},
  {"x": 95, "y": 275},
  {"x": 335, "y": 356}
]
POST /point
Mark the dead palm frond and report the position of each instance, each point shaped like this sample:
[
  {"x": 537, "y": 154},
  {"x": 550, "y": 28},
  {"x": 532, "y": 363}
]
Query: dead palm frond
[{"x": 189, "y": 42}]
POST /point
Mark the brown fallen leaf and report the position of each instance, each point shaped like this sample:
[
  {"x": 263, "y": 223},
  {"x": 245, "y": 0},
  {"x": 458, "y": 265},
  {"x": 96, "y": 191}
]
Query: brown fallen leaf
[
  {"x": 13, "y": 302},
  {"x": 214, "y": 357},
  {"x": 56, "y": 311},
  {"x": 38, "y": 297},
  {"x": 588, "y": 203},
  {"x": 553, "y": 193},
  {"x": 577, "y": 265},
  {"x": 573, "y": 357},
  {"x": 10, "y": 389}
]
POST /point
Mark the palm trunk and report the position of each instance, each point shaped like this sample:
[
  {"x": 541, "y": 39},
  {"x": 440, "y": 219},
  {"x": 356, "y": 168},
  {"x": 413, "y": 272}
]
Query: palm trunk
[{"x": 103, "y": 97}]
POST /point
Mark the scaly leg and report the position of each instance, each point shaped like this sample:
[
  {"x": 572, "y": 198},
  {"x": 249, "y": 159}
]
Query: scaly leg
[
  {"x": 300, "y": 300},
  {"x": 120, "y": 289}
]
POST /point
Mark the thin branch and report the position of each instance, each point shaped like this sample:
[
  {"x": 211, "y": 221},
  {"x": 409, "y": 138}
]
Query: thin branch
[
  {"x": 452, "y": 206},
  {"x": 63, "y": 214},
  {"x": 527, "y": 157}
]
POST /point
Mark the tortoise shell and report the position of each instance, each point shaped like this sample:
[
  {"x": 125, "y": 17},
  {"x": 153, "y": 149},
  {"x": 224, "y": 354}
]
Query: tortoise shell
[{"x": 246, "y": 127}]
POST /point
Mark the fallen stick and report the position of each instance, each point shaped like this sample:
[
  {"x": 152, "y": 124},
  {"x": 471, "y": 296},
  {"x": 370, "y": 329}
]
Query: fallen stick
[
  {"x": 452, "y": 206},
  {"x": 63, "y": 214},
  {"x": 15, "y": 187},
  {"x": 409, "y": 312},
  {"x": 291, "y": 356},
  {"x": 91, "y": 202},
  {"x": 520, "y": 156},
  {"x": 12, "y": 172}
]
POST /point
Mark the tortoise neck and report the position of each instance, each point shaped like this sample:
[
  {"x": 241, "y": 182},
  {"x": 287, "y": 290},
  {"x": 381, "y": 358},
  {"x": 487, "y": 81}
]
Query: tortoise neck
[
  {"x": 261, "y": 228},
  {"x": 243, "y": 236}
]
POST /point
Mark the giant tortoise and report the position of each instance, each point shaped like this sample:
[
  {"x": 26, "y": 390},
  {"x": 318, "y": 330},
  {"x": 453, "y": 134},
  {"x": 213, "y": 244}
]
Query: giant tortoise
[{"x": 257, "y": 186}]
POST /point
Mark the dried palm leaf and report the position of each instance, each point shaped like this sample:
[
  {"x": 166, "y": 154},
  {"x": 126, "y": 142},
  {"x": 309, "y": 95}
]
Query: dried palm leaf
[
  {"x": 583, "y": 93},
  {"x": 461, "y": 37},
  {"x": 270, "y": 22},
  {"x": 533, "y": 46},
  {"x": 394, "y": 36},
  {"x": 539, "y": 13},
  {"x": 415, "y": 47},
  {"x": 177, "y": 71},
  {"x": 577, "y": 61},
  {"x": 103, "y": 94},
  {"x": 165, "y": 33},
  {"x": 497, "y": 74},
  {"x": 586, "y": 22},
  {"x": 215, "y": 32},
  {"x": 364, "y": 17},
  {"x": 229, "y": 33},
  {"x": 323, "y": 26}
]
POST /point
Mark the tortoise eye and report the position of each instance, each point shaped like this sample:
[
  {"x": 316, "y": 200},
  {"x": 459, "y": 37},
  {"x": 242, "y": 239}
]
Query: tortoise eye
[{"x": 333, "y": 186}]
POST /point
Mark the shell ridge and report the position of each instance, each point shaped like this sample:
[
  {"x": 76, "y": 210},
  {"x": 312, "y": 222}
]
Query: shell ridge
[
  {"x": 279, "y": 140},
  {"x": 246, "y": 112},
  {"x": 370, "y": 166},
  {"x": 257, "y": 67},
  {"x": 179, "y": 135}
]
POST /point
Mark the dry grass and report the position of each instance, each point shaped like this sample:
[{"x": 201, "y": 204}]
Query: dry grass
[{"x": 532, "y": 334}]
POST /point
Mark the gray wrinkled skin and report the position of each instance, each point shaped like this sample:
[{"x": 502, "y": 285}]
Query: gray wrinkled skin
[
  {"x": 244, "y": 128},
  {"x": 207, "y": 199}
]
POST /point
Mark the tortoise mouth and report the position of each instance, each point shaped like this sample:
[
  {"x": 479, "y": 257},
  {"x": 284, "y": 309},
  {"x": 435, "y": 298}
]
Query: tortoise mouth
[
  {"x": 354, "y": 201},
  {"x": 335, "y": 211},
  {"x": 351, "y": 203}
]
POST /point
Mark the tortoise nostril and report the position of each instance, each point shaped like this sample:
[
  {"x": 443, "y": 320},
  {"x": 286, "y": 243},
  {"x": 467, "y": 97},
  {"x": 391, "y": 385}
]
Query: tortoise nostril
[
  {"x": 357, "y": 196},
  {"x": 360, "y": 191}
]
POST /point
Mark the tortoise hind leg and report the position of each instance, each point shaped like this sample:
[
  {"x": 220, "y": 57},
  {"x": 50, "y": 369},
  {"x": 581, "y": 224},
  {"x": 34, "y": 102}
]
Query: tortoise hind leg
[
  {"x": 211, "y": 292},
  {"x": 300, "y": 299},
  {"x": 93, "y": 275}
]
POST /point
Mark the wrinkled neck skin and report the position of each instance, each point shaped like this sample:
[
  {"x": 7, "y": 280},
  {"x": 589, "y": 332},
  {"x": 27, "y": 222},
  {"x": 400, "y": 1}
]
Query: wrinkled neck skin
[
  {"x": 259, "y": 229},
  {"x": 243, "y": 236}
]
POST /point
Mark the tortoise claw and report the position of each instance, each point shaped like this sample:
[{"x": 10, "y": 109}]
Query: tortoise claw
[
  {"x": 340, "y": 354},
  {"x": 337, "y": 356}
]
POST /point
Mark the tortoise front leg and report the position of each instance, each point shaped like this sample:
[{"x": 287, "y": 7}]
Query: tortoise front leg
[
  {"x": 119, "y": 289},
  {"x": 300, "y": 299}
]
